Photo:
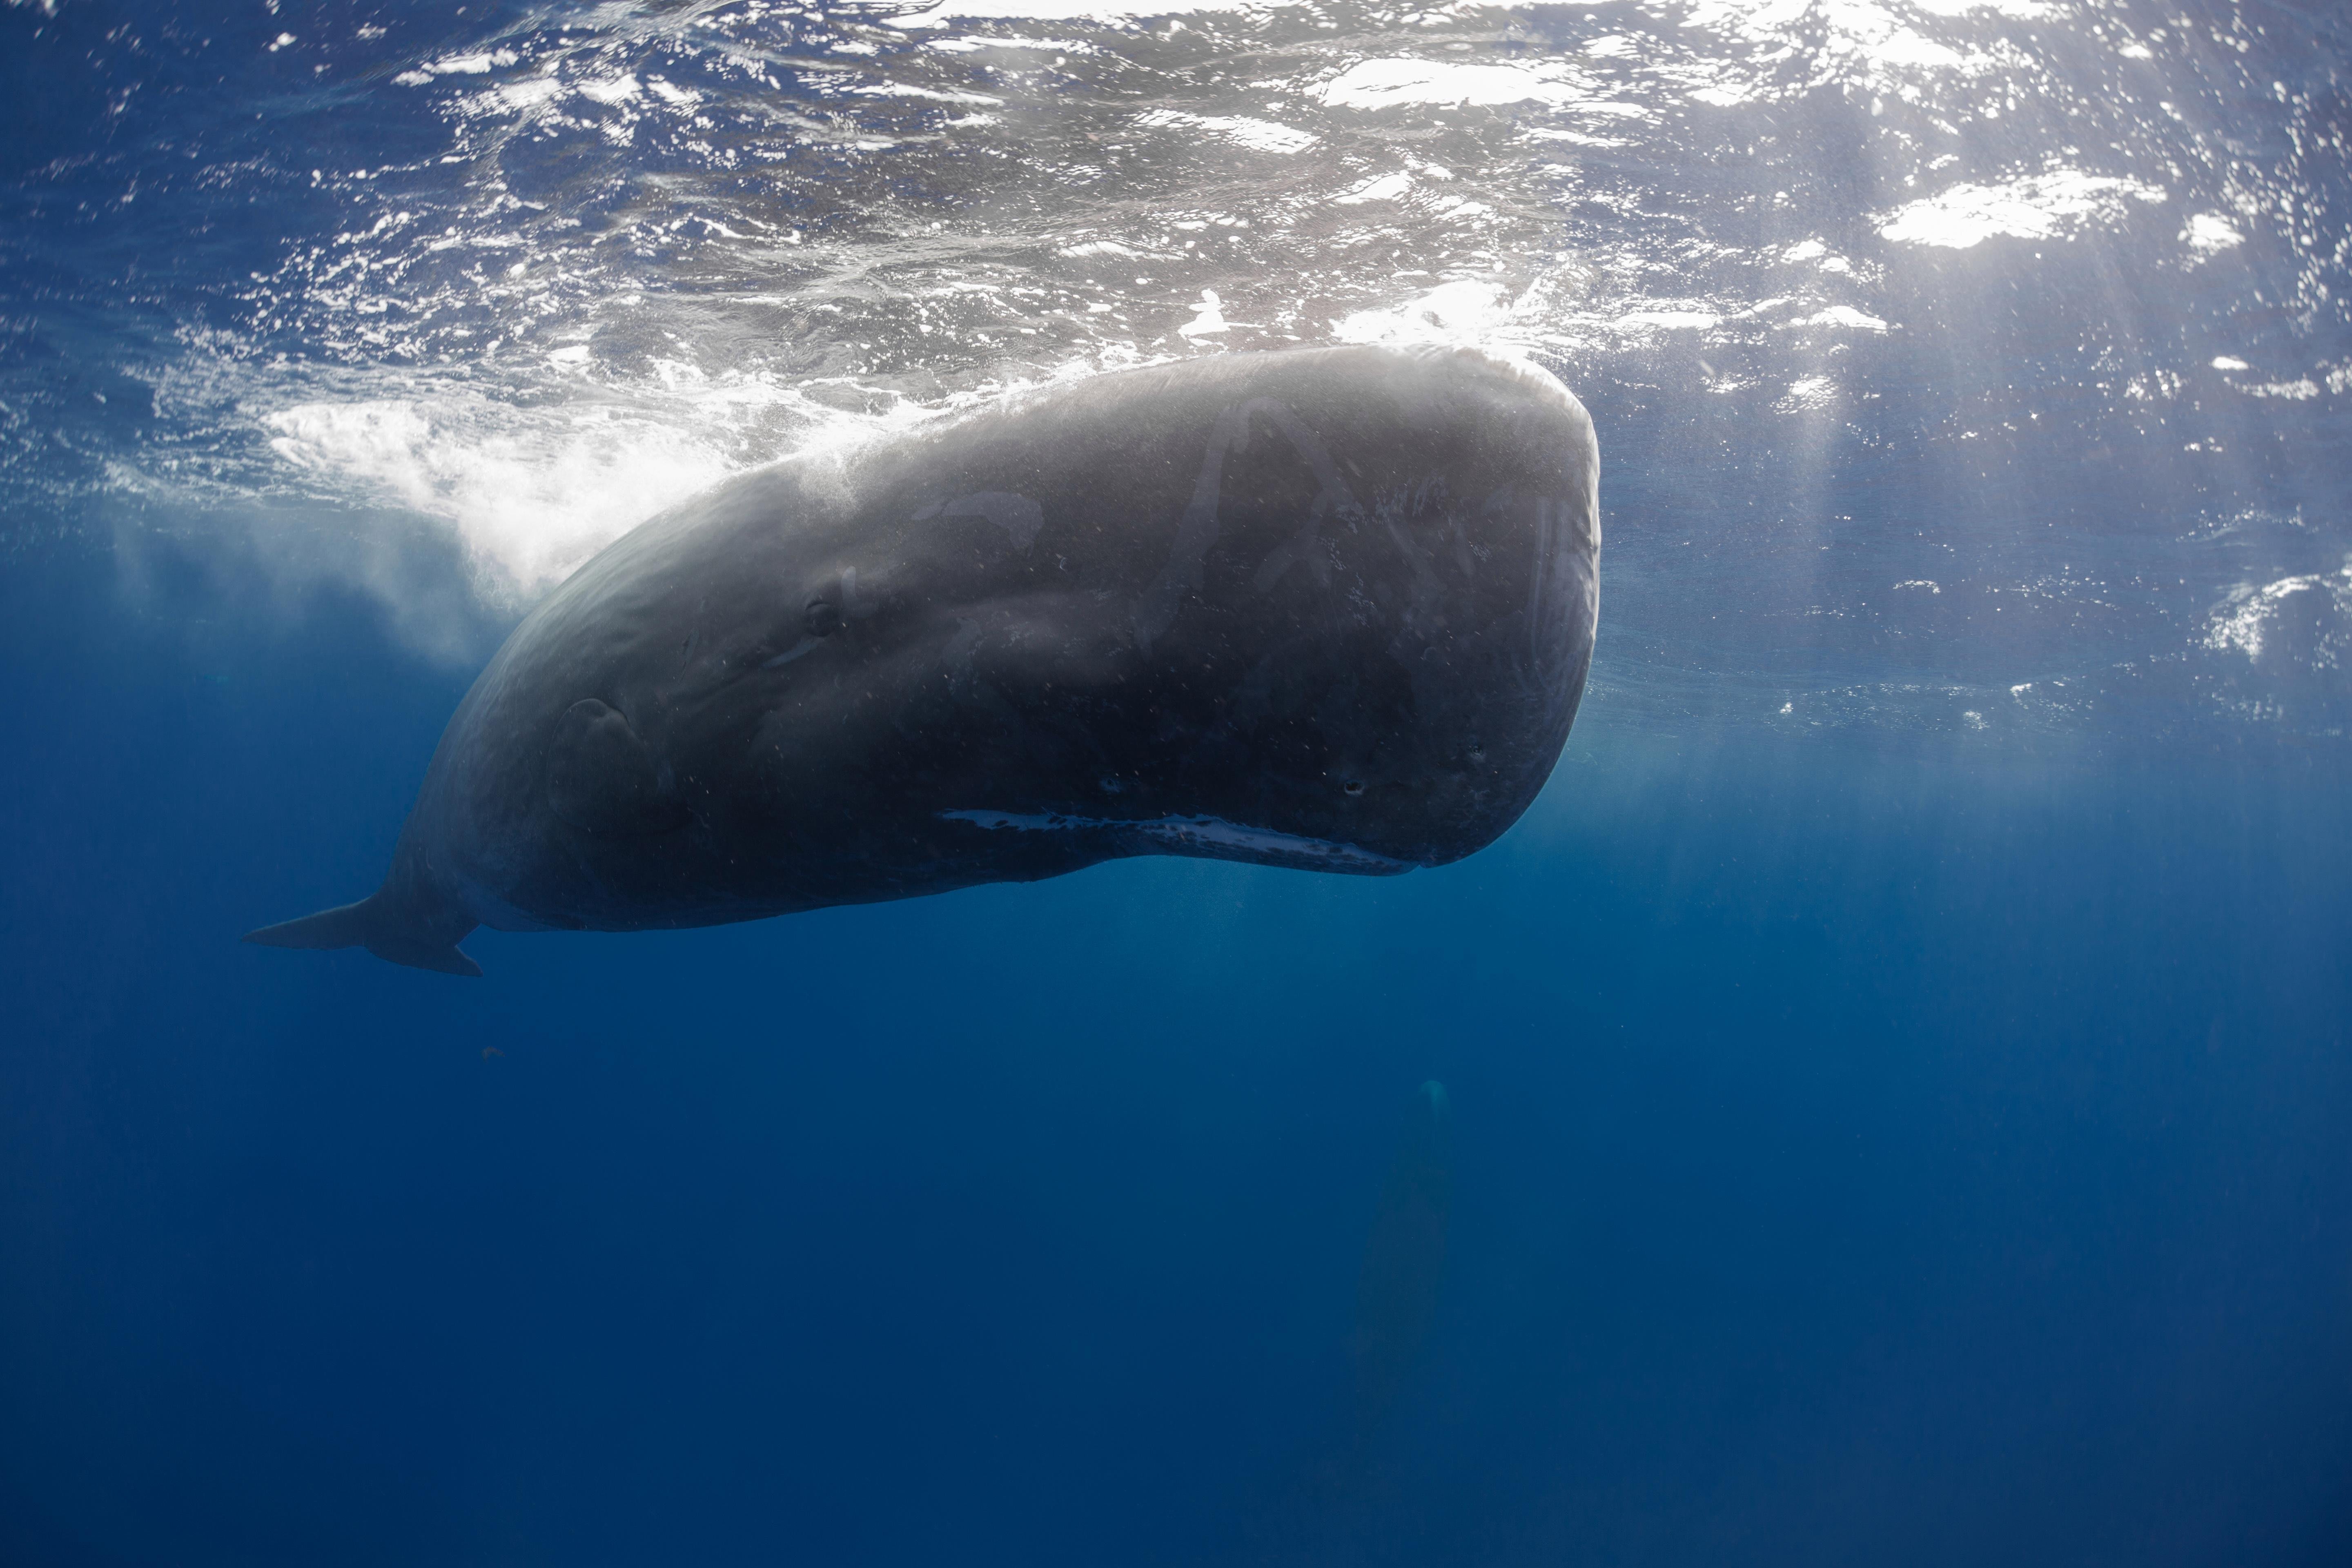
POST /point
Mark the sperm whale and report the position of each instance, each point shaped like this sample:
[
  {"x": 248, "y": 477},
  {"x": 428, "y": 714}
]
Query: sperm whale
[{"x": 1326, "y": 608}]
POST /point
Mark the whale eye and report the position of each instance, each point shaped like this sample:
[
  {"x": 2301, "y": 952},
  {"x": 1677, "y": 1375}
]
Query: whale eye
[
  {"x": 1353, "y": 786},
  {"x": 823, "y": 618}
]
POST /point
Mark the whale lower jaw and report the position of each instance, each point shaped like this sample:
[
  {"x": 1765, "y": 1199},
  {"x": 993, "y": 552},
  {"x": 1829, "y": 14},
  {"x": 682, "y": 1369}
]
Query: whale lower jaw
[{"x": 1208, "y": 837}]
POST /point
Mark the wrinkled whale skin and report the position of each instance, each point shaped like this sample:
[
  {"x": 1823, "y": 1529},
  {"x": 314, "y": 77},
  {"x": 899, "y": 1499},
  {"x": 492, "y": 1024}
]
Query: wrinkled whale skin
[{"x": 1328, "y": 609}]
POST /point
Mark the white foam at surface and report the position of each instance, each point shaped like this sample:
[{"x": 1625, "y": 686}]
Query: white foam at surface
[
  {"x": 1208, "y": 317},
  {"x": 1379, "y": 188},
  {"x": 2016, "y": 10},
  {"x": 608, "y": 90},
  {"x": 1059, "y": 46},
  {"x": 529, "y": 503},
  {"x": 1105, "y": 11},
  {"x": 1861, "y": 29},
  {"x": 1465, "y": 310},
  {"x": 1842, "y": 316},
  {"x": 1261, "y": 135},
  {"x": 901, "y": 90},
  {"x": 2242, "y": 622},
  {"x": 2036, "y": 207},
  {"x": 1667, "y": 321},
  {"x": 475, "y": 64},
  {"x": 2209, "y": 234},
  {"x": 1388, "y": 83},
  {"x": 1109, "y": 248},
  {"x": 513, "y": 97},
  {"x": 1808, "y": 393},
  {"x": 2297, "y": 390}
]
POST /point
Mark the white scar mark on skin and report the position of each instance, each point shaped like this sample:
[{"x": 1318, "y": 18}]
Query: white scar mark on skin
[
  {"x": 1212, "y": 835},
  {"x": 806, "y": 645},
  {"x": 1563, "y": 591},
  {"x": 1332, "y": 496},
  {"x": 1017, "y": 515},
  {"x": 1198, "y": 529}
]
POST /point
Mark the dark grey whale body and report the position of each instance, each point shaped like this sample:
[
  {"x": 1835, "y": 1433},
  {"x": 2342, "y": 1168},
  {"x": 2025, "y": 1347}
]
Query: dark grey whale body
[{"x": 1328, "y": 609}]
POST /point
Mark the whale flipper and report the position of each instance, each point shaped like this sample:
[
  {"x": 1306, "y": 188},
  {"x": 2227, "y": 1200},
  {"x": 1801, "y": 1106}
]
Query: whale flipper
[{"x": 368, "y": 924}]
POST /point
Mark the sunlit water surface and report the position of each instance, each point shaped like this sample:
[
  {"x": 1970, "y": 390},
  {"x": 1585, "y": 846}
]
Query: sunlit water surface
[{"x": 1964, "y": 364}]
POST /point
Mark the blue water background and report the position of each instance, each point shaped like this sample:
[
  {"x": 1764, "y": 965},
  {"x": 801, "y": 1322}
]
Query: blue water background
[{"x": 1880, "y": 1137}]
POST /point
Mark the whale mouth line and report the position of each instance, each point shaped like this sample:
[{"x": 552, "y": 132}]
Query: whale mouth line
[{"x": 1212, "y": 837}]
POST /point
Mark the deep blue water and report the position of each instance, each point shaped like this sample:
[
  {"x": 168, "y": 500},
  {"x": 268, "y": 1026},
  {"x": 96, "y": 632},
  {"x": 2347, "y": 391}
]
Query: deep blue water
[{"x": 1899, "y": 1071}]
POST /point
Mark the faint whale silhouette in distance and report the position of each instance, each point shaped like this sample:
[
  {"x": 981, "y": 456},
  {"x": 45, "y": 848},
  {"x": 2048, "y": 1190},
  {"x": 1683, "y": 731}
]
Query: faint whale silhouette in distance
[
  {"x": 1337, "y": 1502},
  {"x": 1404, "y": 1266}
]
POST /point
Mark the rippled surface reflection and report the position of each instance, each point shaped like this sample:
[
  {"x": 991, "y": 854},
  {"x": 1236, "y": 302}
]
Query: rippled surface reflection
[{"x": 1974, "y": 367}]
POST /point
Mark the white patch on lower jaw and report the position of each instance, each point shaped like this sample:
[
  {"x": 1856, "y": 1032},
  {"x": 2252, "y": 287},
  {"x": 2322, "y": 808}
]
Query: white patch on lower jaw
[
  {"x": 806, "y": 645},
  {"x": 1208, "y": 832}
]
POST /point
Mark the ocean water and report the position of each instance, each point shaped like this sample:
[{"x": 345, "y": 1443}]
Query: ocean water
[{"x": 1886, "y": 1103}]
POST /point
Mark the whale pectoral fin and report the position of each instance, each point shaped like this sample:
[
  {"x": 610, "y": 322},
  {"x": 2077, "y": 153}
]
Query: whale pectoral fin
[
  {"x": 601, "y": 778},
  {"x": 364, "y": 924},
  {"x": 346, "y": 925}
]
